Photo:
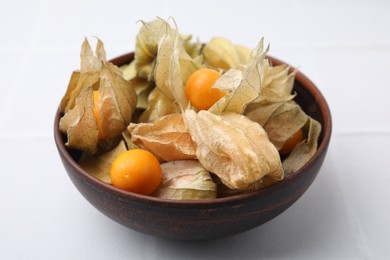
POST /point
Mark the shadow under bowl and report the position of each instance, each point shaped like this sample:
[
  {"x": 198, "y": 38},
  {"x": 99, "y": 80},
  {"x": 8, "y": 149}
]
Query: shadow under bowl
[{"x": 203, "y": 219}]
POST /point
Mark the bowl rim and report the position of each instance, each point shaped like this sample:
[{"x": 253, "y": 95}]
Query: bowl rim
[{"x": 299, "y": 76}]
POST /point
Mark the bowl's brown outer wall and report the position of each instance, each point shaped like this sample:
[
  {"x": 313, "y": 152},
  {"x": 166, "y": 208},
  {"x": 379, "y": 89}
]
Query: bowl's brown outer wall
[{"x": 200, "y": 220}]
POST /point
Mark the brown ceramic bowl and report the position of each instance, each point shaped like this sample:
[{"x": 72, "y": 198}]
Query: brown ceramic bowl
[{"x": 200, "y": 220}]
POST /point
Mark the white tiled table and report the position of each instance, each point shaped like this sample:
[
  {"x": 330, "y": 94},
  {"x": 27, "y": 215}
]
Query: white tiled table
[{"x": 343, "y": 46}]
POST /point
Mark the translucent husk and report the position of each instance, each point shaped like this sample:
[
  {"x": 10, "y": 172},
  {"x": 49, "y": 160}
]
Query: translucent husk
[
  {"x": 173, "y": 66},
  {"x": 281, "y": 121},
  {"x": 143, "y": 88},
  {"x": 158, "y": 106},
  {"x": 147, "y": 46},
  {"x": 167, "y": 138},
  {"x": 99, "y": 165},
  {"x": 186, "y": 180},
  {"x": 115, "y": 107},
  {"x": 117, "y": 101},
  {"x": 175, "y": 60},
  {"x": 234, "y": 148},
  {"x": 244, "y": 87},
  {"x": 221, "y": 53},
  {"x": 305, "y": 150},
  {"x": 80, "y": 125}
]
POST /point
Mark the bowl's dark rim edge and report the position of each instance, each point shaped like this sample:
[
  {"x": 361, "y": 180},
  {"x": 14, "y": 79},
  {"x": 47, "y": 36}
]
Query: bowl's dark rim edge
[{"x": 326, "y": 128}]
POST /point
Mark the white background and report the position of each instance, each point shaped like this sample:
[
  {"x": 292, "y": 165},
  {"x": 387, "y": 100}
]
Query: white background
[{"x": 343, "y": 46}]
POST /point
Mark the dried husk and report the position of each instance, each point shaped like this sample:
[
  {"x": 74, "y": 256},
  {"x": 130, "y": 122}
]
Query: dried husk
[
  {"x": 193, "y": 49},
  {"x": 281, "y": 117},
  {"x": 261, "y": 112},
  {"x": 87, "y": 76},
  {"x": 286, "y": 119},
  {"x": 221, "y": 53},
  {"x": 281, "y": 121},
  {"x": 245, "y": 87},
  {"x": 147, "y": 47},
  {"x": 188, "y": 65},
  {"x": 72, "y": 85},
  {"x": 78, "y": 82},
  {"x": 186, "y": 180},
  {"x": 173, "y": 59},
  {"x": 128, "y": 71},
  {"x": 227, "y": 83},
  {"x": 117, "y": 101},
  {"x": 173, "y": 66},
  {"x": 79, "y": 123},
  {"x": 90, "y": 62},
  {"x": 234, "y": 148},
  {"x": 302, "y": 153},
  {"x": 276, "y": 90},
  {"x": 126, "y": 136},
  {"x": 99, "y": 165},
  {"x": 277, "y": 85},
  {"x": 243, "y": 53},
  {"x": 278, "y": 81},
  {"x": 158, "y": 106},
  {"x": 143, "y": 88},
  {"x": 167, "y": 138}
]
